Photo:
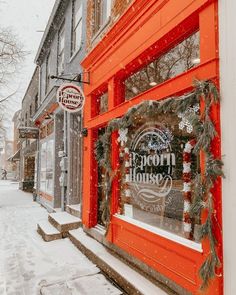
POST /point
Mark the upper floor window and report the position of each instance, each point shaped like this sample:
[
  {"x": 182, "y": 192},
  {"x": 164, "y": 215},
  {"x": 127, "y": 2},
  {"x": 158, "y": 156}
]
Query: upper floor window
[
  {"x": 103, "y": 103},
  {"x": 61, "y": 47},
  {"x": 48, "y": 72},
  {"x": 102, "y": 12},
  {"x": 76, "y": 34},
  {"x": 36, "y": 101},
  {"x": 26, "y": 120},
  {"x": 177, "y": 60},
  {"x": 31, "y": 109}
]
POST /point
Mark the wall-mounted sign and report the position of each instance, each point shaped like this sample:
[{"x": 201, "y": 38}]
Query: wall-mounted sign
[
  {"x": 70, "y": 97},
  {"x": 28, "y": 132}
]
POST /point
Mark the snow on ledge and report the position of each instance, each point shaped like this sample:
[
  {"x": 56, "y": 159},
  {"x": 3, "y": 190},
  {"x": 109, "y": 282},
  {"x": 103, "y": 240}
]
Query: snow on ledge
[
  {"x": 64, "y": 218},
  {"x": 144, "y": 286}
]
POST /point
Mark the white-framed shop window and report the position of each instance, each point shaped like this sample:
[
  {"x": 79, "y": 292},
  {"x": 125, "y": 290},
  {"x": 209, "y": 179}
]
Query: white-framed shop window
[{"x": 46, "y": 165}]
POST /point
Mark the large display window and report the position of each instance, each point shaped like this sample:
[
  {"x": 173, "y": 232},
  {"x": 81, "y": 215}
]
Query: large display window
[
  {"x": 46, "y": 162},
  {"x": 152, "y": 181}
]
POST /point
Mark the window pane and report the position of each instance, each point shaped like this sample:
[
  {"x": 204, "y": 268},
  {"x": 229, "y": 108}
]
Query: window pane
[
  {"x": 61, "y": 45},
  {"x": 46, "y": 174},
  {"x": 76, "y": 26},
  {"x": 105, "y": 11},
  {"x": 78, "y": 36},
  {"x": 178, "y": 60},
  {"x": 103, "y": 103},
  {"x": 78, "y": 15},
  {"x": 152, "y": 177}
]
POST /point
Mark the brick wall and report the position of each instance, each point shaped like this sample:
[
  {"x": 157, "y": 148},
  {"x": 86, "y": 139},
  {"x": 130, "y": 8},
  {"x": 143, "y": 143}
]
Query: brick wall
[{"x": 118, "y": 8}]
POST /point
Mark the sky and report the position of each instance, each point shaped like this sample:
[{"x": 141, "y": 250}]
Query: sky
[{"x": 26, "y": 18}]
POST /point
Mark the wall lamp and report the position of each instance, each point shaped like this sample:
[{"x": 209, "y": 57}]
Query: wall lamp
[
  {"x": 77, "y": 78},
  {"x": 84, "y": 132}
]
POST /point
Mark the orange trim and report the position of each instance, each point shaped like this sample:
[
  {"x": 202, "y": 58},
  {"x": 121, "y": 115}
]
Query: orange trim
[{"x": 147, "y": 29}]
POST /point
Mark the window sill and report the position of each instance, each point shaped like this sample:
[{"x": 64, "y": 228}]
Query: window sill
[
  {"x": 170, "y": 236},
  {"x": 76, "y": 53}
]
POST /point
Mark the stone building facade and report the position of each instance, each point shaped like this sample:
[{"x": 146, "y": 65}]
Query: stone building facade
[
  {"x": 59, "y": 54},
  {"x": 29, "y": 144}
]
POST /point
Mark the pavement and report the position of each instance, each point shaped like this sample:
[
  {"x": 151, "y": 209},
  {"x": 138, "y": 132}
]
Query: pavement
[{"x": 29, "y": 266}]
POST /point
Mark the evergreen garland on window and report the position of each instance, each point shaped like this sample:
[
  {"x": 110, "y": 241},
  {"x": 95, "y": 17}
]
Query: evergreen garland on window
[{"x": 204, "y": 132}]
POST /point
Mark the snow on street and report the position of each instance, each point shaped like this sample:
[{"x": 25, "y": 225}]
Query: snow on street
[{"x": 28, "y": 265}]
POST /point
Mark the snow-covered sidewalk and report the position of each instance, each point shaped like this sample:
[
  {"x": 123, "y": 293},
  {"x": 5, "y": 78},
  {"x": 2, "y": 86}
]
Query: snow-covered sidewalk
[{"x": 28, "y": 265}]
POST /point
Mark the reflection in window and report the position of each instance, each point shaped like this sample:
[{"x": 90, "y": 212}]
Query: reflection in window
[
  {"x": 46, "y": 171},
  {"x": 181, "y": 58},
  {"x": 103, "y": 103},
  {"x": 152, "y": 181},
  {"x": 102, "y": 12},
  {"x": 100, "y": 192}
]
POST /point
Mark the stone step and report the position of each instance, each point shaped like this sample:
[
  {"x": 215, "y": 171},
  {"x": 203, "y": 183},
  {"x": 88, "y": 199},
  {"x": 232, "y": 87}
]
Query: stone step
[
  {"x": 74, "y": 210},
  {"x": 48, "y": 231},
  {"x": 64, "y": 222},
  {"x": 126, "y": 277}
]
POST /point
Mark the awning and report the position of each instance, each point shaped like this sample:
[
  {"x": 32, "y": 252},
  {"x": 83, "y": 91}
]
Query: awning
[{"x": 15, "y": 157}]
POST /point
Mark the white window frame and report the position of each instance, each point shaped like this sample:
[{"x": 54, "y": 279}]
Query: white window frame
[
  {"x": 48, "y": 72},
  {"x": 61, "y": 50},
  {"x": 76, "y": 26},
  {"x": 102, "y": 13}
]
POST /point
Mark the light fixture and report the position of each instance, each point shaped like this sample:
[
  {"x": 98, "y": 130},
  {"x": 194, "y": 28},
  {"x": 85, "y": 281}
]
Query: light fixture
[
  {"x": 152, "y": 82},
  {"x": 196, "y": 61},
  {"x": 84, "y": 132}
]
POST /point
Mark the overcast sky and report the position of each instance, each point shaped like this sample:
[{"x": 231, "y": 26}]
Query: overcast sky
[{"x": 25, "y": 17}]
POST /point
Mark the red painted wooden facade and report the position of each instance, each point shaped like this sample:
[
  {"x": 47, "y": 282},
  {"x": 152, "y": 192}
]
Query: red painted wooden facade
[{"x": 146, "y": 29}]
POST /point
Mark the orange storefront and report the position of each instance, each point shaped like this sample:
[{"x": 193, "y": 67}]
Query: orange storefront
[{"x": 179, "y": 40}]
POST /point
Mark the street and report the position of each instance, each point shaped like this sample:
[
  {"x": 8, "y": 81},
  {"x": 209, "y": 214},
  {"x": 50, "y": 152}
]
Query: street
[{"x": 28, "y": 265}]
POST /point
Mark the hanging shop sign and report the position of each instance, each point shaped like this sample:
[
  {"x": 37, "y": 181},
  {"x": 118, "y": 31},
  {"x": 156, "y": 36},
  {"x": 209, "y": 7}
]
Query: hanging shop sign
[
  {"x": 70, "y": 97},
  {"x": 28, "y": 132}
]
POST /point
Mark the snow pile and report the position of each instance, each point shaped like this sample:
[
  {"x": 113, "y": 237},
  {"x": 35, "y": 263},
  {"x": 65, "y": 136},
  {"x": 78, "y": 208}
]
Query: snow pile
[{"x": 28, "y": 265}]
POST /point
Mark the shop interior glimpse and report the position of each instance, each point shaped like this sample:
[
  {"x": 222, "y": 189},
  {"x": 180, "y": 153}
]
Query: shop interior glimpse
[{"x": 179, "y": 59}]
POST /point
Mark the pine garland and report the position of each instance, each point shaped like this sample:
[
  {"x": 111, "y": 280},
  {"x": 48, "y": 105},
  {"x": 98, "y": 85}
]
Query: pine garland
[{"x": 204, "y": 131}]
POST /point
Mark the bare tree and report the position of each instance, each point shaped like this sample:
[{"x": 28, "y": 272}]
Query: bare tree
[
  {"x": 177, "y": 60},
  {"x": 11, "y": 54}
]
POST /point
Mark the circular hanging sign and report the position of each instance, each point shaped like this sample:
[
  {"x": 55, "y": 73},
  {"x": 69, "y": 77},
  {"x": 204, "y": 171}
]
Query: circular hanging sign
[{"x": 70, "y": 97}]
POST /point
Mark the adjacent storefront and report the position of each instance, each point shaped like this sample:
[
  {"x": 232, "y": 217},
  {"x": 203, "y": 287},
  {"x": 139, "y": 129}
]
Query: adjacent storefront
[
  {"x": 46, "y": 160},
  {"x": 153, "y": 144}
]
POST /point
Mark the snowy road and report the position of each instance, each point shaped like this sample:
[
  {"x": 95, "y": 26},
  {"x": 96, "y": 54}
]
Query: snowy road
[{"x": 28, "y": 265}]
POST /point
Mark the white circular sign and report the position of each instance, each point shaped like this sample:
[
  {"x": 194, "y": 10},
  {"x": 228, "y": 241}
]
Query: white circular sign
[{"x": 70, "y": 97}]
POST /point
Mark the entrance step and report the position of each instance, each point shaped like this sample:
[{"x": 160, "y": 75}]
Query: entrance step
[
  {"x": 74, "y": 210},
  {"x": 48, "y": 232},
  {"x": 125, "y": 276},
  {"x": 64, "y": 222}
]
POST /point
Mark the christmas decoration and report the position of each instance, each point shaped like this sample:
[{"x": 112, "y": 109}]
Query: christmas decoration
[
  {"x": 184, "y": 116},
  {"x": 204, "y": 131},
  {"x": 188, "y": 230},
  {"x": 122, "y": 139}
]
